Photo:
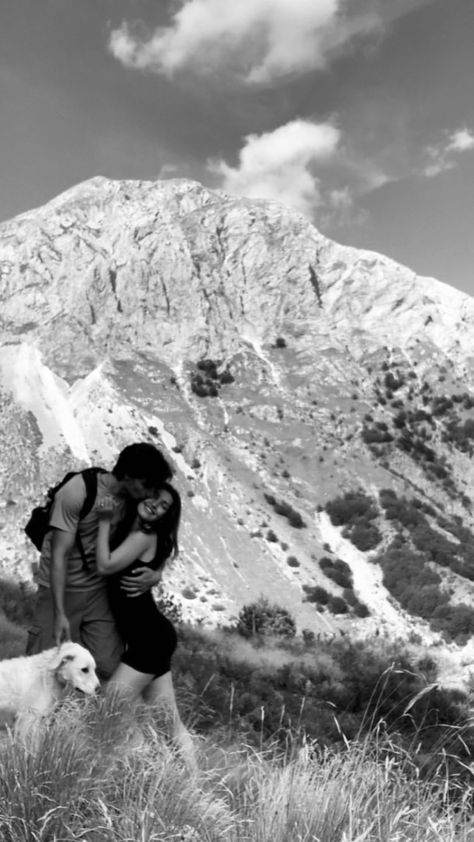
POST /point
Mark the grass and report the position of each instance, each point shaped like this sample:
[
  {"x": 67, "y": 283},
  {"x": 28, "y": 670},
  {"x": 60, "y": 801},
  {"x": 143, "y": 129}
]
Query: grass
[{"x": 102, "y": 772}]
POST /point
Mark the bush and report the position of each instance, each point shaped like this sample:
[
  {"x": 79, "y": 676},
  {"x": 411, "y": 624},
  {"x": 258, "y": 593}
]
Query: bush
[
  {"x": 341, "y": 578},
  {"x": 400, "y": 420},
  {"x": 308, "y": 636},
  {"x": 226, "y": 377},
  {"x": 392, "y": 382},
  {"x": 349, "y": 595},
  {"x": 337, "y": 605},
  {"x": 170, "y": 608},
  {"x": 203, "y": 387},
  {"x": 265, "y": 619},
  {"x": 342, "y": 566},
  {"x": 206, "y": 380},
  {"x": 456, "y": 620},
  {"x": 372, "y": 435},
  {"x": 441, "y": 405},
  {"x": 416, "y": 586},
  {"x": 356, "y": 511},
  {"x": 209, "y": 366},
  {"x": 199, "y": 389},
  {"x": 329, "y": 692},
  {"x": 365, "y": 536},
  {"x": 17, "y": 601},
  {"x": 270, "y": 499},
  {"x": 285, "y": 510},
  {"x": 348, "y": 507},
  {"x": 315, "y": 593},
  {"x": 361, "y": 610}
]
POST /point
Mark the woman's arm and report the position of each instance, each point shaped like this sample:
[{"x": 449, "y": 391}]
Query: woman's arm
[{"x": 129, "y": 550}]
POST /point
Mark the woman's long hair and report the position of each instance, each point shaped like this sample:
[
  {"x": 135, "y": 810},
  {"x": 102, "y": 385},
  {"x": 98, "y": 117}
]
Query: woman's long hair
[{"x": 166, "y": 528}]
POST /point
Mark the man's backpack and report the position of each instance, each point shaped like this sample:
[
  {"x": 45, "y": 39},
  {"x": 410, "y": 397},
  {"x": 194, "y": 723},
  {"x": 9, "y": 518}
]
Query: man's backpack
[{"x": 38, "y": 524}]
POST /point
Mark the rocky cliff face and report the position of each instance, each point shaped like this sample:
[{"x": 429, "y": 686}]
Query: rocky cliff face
[{"x": 248, "y": 346}]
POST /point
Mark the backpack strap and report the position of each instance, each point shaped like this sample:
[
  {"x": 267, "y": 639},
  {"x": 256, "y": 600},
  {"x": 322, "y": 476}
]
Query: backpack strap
[{"x": 89, "y": 475}]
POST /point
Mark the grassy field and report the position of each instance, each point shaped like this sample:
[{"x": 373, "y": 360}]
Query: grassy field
[
  {"x": 338, "y": 742},
  {"x": 104, "y": 773}
]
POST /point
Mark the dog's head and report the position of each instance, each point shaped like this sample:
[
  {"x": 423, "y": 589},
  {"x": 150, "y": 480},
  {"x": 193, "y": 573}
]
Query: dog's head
[{"x": 74, "y": 667}]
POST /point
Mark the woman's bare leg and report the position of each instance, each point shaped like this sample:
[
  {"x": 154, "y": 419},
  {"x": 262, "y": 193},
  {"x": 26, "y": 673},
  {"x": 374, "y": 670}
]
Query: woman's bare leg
[
  {"x": 160, "y": 691},
  {"x": 129, "y": 682}
]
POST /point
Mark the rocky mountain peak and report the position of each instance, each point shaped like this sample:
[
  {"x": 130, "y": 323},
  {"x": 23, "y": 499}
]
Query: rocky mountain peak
[
  {"x": 271, "y": 364},
  {"x": 173, "y": 268}
]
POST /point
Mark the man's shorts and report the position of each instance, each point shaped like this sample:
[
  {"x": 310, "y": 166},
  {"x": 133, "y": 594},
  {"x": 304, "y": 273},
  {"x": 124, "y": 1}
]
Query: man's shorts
[{"x": 91, "y": 623}]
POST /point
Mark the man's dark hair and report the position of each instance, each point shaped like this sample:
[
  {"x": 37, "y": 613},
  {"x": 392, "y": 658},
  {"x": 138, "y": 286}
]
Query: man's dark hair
[{"x": 143, "y": 461}]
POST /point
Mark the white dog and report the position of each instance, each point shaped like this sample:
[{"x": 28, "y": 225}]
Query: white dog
[{"x": 30, "y": 686}]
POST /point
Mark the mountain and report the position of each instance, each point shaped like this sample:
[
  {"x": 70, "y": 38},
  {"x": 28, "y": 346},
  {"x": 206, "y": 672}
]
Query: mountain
[{"x": 277, "y": 369}]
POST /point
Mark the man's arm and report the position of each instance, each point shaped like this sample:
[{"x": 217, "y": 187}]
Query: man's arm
[
  {"x": 64, "y": 522},
  {"x": 61, "y": 545},
  {"x": 140, "y": 581}
]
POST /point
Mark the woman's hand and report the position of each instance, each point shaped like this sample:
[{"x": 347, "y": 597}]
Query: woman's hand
[{"x": 106, "y": 507}]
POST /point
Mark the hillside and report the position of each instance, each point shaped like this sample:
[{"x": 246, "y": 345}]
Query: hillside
[{"x": 277, "y": 369}]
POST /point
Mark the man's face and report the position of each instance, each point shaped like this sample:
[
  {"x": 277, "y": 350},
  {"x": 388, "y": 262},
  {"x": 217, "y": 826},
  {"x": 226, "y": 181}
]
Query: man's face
[{"x": 136, "y": 488}]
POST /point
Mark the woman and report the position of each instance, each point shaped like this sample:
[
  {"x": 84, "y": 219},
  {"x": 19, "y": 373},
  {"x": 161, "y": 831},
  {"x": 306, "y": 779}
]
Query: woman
[{"x": 149, "y": 637}]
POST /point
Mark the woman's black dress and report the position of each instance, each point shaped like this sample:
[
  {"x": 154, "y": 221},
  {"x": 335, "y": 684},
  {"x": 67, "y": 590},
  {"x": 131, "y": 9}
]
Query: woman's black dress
[{"x": 150, "y": 638}]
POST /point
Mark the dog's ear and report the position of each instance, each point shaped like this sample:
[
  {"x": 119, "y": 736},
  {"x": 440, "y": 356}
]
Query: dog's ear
[
  {"x": 60, "y": 658},
  {"x": 59, "y": 669}
]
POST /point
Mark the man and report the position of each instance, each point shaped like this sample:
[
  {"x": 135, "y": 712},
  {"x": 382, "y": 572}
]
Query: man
[{"x": 72, "y": 598}]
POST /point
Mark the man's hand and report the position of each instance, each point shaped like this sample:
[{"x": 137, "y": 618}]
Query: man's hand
[
  {"x": 140, "y": 581},
  {"x": 62, "y": 629}
]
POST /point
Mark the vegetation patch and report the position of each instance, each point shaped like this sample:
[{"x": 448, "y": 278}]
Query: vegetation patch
[
  {"x": 414, "y": 517},
  {"x": 357, "y": 512},
  {"x": 341, "y": 574},
  {"x": 208, "y": 376},
  {"x": 263, "y": 618},
  {"x": 317, "y": 594},
  {"x": 416, "y": 587},
  {"x": 285, "y": 510},
  {"x": 419, "y": 423}
]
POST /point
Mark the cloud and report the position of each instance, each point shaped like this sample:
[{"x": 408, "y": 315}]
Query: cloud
[
  {"x": 305, "y": 165},
  {"x": 281, "y": 165},
  {"x": 444, "y": 156},
  {"x": 461, "y": 141},
  {"x": 259, "y": 40}
]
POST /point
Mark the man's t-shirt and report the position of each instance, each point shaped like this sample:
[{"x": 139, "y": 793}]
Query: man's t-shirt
[{"x": 65, "y": 516}]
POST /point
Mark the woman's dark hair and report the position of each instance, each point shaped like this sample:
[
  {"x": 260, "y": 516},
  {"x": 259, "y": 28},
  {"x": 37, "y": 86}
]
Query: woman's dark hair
[
  {"x": 166, "y": 528},
  {"x": 142, "y": 461}
]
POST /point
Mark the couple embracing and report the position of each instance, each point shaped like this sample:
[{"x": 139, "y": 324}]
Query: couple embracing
[{"x": 96, "y": 574}]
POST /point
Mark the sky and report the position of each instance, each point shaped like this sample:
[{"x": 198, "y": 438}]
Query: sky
[{"x": 358, "y": 113}]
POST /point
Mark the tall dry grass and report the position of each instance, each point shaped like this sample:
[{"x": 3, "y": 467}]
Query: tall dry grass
[{"x": 102, "y": 772}]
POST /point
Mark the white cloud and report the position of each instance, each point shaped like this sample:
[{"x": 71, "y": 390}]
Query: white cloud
[
  {"x": 444, "y": 156},
  {"x": 305, "y": 165},
  {"x": 438, "y": 166},
  {"x": 260, "y": 40},
  {"x": 281, "y": 164},
  {"x": 461, "y": 141}
]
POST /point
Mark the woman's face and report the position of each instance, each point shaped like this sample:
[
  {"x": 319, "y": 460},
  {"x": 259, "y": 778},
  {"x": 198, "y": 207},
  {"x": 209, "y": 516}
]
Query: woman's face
[{"x": 153, "y": 508}]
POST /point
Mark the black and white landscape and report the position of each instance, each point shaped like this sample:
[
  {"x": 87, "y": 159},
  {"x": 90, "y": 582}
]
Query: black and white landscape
[{"x": 278, "y": 370}]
